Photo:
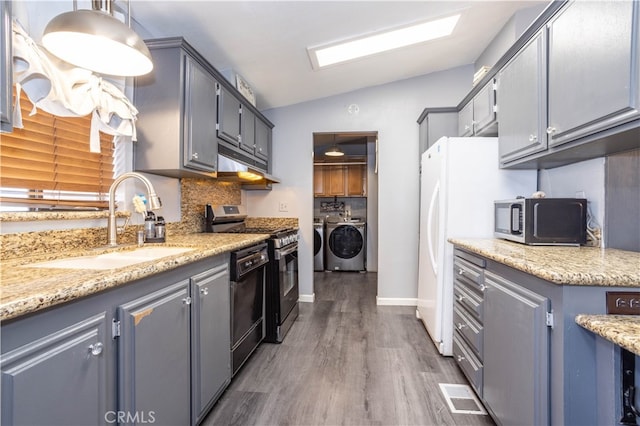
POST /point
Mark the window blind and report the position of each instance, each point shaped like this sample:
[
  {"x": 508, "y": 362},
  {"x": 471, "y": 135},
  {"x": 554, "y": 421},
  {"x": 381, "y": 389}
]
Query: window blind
[{"x": 48, "y": 163}]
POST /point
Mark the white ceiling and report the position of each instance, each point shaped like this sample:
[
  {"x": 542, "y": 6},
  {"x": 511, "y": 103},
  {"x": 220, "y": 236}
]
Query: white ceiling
[{"x": 265, "y": 42}]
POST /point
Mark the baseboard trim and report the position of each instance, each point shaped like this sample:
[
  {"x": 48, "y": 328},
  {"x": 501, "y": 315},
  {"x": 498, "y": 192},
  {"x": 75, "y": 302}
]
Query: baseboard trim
[
  {"x": 396, "y": 301},
  {"x": 307, "y": 298}
]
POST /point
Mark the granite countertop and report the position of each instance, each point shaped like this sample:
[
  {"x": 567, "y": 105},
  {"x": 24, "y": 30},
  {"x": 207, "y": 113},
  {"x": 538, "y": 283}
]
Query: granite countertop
[
  {"x": 589, "y": 266},
  {"x": 25, "y": 289},
  {"x": 623, "y": 330}
]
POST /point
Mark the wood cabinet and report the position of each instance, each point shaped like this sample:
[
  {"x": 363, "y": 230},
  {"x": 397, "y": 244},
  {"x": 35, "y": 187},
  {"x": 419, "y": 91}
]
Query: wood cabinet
[
  {"x": 523, "y": 102},
  {"x": 340, "y": 180},
  {"x": 60, "y": 377},
  {"x": 516, "y": 352},
  {"x": 478, "y": 117},
  {"x": 211, "y": 338},
  {"x": 435, "y": 123},
  {"x": 6, "y": 68}
]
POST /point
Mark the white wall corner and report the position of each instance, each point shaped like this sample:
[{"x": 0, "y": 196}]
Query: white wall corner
[
  {"x": 396, "y": 301},
  {"x": 307, "y": 298}
]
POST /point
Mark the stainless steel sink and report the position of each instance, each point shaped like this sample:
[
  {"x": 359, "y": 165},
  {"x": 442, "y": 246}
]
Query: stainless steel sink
[{"x": 113, "y": 260}]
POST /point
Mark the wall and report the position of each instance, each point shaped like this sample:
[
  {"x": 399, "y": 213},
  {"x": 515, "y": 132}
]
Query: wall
[{"x": 392, "y": 111}]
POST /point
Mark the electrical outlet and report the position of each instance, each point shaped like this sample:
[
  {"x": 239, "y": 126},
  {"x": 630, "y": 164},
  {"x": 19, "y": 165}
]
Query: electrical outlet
[{"x": 284, "y": 207}]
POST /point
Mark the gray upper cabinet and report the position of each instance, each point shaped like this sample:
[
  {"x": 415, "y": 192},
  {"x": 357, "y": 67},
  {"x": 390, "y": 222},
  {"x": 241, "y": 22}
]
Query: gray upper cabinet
[
  {"x": 247, "y": 131},
  {"x": 60, "y": 378},
  {"x": 516, "y": 353},
  {"x": 177, "y": 112},
  {"x": 522, "y": 101},
  {"x": 263, "y": 140},
  {"x": 478, "y": 117},
  {"x": 465, "y": 120},
  {"x": 154, "y": 363},
  {"x": 228, "y": 117},
  {"x": 435, "y": 123},
  {"x": 6, "y": 69},
  {"x": 594, "y": 77}
]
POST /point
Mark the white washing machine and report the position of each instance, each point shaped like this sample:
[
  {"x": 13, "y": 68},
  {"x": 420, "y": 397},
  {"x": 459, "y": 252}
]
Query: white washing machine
[
  {"x": 318, "y": 244},
  {"x": 346, "y": 245}
]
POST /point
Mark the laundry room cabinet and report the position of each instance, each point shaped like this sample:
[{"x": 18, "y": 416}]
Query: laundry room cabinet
[{"x": 340, "y": 180}]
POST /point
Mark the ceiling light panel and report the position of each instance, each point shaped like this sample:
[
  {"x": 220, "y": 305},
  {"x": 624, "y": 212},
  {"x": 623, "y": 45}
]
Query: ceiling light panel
[{"x": 322, "y": 56}]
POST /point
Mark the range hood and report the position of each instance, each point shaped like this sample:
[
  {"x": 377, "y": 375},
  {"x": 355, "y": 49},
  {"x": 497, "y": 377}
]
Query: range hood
[{"x": 230, "y": 170}]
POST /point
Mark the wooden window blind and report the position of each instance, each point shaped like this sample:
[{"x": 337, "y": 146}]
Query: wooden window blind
[{"x": 48, "y": 164}]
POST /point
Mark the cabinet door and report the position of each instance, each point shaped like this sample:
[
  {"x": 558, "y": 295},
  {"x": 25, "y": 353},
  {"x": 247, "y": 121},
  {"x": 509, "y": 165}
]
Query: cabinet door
[
  {"x": 356, "y": 180},
  {"x": 484, "y": 111},
  {"x": 228, "y": 117},
  {"x": 465, "y": 120},
  {"x": 263, "y": 140},
  {"x": 6, "y": 69},
  {"x": 522, "y": 100},
  {"x": 516, "y": 353},
  {"x": 318, "y": 181},
  {"x": 154, "y": 362},
  {"x": 334, "y": 180},
  {"x": 211, "y": 343},
  {"x": 58, "y": 380},
  {"x": 593, "y": 68},
  {"x": 201, "y": 146},
  {"x": 247, "y": 131}
]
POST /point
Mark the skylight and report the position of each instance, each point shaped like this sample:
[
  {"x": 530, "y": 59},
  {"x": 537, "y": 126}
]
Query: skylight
[{"x": 322, "y": 56}]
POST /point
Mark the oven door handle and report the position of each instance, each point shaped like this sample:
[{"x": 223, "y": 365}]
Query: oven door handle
[{"x": 279, "y": 254}]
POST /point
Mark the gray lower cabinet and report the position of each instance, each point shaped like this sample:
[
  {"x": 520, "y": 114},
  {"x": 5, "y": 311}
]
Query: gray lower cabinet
[
  {"x": 211, "y": 338},
  {"x": 6, "y": 68},
  {"x": 59, "y": 378},
  {"x": 594, "y": 58},
  {"x": 176, "y": 127},
  {"x": 522, "y": 101},
  {"x": 435, "y": 123},
  {"x": 516, "y": 353},
  {"x": 153, "y": 356}
]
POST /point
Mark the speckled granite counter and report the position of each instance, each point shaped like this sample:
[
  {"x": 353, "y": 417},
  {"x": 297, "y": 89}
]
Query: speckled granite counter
[
  {"x": 562, "y": 265},
  {"x": 25, "y": 290},
  {"x": 623, "y": 330}
]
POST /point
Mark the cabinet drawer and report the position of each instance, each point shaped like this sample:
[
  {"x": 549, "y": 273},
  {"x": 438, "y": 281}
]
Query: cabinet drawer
[
  {"x": 468, "y": 363},
  {"x": 469, "y": 328},
  {"x": 470, "y": 300},
  {"x": 468, "y": 274}
]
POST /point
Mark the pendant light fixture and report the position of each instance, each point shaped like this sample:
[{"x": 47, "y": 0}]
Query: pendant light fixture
[
  {"x": 335, "y": 150},
  {"x": 95, "y": 40}
]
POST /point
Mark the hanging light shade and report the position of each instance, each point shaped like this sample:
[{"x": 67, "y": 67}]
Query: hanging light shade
[
  {"x": 95, "y": 40},
  {"x": 334, "y": 151}
]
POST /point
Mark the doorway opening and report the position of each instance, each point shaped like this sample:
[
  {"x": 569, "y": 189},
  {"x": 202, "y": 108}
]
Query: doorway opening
[{"x": 345, "y": 201}]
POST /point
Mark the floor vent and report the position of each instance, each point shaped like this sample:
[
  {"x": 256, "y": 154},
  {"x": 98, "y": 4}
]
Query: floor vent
[{"x": 461, "y": 399}]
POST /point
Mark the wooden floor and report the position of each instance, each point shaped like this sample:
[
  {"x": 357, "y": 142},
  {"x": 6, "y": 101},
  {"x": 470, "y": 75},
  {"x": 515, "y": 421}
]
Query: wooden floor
[{"x": 345, "y": 361}]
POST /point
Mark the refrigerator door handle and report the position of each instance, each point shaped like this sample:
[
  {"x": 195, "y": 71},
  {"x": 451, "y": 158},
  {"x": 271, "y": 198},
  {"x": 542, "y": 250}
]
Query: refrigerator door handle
[{"x": 430, "y": 245}]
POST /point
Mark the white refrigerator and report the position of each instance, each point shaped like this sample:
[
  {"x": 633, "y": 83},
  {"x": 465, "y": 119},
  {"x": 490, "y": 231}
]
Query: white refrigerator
[{"x": 460, "y": 179}]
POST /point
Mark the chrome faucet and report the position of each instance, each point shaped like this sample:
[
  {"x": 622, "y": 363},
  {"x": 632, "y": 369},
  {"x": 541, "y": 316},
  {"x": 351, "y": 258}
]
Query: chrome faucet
[{"x": 154, "y": 202}]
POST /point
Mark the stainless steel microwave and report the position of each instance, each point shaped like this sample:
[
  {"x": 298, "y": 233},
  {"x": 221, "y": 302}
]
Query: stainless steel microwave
[{"x": 542, "y": 221}]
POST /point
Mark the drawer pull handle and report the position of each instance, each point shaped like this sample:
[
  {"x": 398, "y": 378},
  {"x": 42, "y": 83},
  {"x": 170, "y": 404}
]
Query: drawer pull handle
[
  {"x": 460, "y": 358},
  {"x": 96, "y": 349},
  {"x": 460, "y": 326}
]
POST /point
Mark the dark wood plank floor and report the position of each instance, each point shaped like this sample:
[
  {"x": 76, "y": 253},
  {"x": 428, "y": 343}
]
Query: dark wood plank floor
[{"x": 345, "y": 361}]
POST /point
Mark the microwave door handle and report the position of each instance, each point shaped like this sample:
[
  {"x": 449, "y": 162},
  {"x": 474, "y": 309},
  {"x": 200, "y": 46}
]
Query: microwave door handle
[
  {"x": 430, "y": 244},
  {"x": 516, "y": 213}
]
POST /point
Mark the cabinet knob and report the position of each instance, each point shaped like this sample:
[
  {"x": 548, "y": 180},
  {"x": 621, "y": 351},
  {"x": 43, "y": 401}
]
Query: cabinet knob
[
  {"x": 204, "y": 291},
  {"x": 460, "y": 326},
  {"x": 460, "y": 298},
  {"x": 467, "y": 127},
  {"x": 460, "y": 358},
  {"x": 187, "y": 300},
  {"x": 483, "y": 287},
  {"x": 96, "y": 349},
  {"x": 533, "y": 138},
  {"x": 551, "y": 130},
  {"x": 194, "y": 156},
  {"x": 460, "y": 271}
]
